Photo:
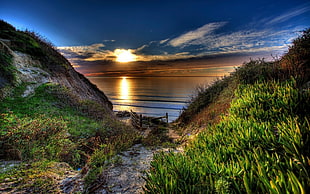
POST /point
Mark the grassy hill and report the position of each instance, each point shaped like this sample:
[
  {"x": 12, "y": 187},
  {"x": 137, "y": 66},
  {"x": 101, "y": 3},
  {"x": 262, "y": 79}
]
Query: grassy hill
[
  {"x": 64, "y": 124},
  {"x": 253, "y": 132}
]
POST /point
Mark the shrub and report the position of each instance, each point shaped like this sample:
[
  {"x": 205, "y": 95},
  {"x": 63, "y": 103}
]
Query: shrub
[
  {"x": 296, "y": 62},
  {"x": 36, "y": 138},
  {"x": 204, "y": 96}
]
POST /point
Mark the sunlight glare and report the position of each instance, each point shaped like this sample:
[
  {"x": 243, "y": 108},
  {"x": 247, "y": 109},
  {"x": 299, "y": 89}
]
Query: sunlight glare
[
  {"x": 123, "y": 55},
  {"x": 124, "y": 90}
]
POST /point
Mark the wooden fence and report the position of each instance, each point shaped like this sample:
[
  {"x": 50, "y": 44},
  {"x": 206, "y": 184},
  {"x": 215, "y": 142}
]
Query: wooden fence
[{"x": 138, "y": 122}]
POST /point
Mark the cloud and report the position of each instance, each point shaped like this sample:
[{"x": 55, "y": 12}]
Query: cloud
[
  {"x": 205, "y": 41},
  {"x": 92, "y": 52},
  {"x": 93, "y": 47},
  {"x": 197, "y": 34},
  {"x": 163, "y": 41},
  {"x": 288, "y": 15}
]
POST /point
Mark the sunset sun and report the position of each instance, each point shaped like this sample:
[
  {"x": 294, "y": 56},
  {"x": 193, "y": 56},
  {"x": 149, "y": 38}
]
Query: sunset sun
[{"x": 123, "y": 55}]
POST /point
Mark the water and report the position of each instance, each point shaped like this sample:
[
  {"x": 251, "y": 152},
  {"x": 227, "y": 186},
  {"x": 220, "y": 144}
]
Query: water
[{"x": 150, "y": 96}]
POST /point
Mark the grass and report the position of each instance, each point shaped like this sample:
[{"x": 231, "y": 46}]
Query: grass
[
  {"x": 7, "y": 75},
  {"x": 256, "y": 148},
  {"x": 34, "y": 45},
  {"x": 46, "y": 127},
  {"x": 260, "y": 144},
  {"x": 204, "y": 97},
  {"x": 37, "y": 177}
]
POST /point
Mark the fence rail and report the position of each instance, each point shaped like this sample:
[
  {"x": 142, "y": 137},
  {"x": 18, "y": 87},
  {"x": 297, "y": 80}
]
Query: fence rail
[{"x": 137, "y": 120}]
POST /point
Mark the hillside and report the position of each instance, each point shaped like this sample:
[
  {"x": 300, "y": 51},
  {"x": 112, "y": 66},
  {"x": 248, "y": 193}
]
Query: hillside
[
  {"x": 53, "y": 120},
  {"x": 246, "y": 133},
  {"x": 35, "y": 61}
]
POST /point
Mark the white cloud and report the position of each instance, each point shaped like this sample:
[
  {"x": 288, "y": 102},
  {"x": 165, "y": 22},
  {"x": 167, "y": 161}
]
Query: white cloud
[
  {"x": 288, "y": 15},
  {"x": 87, "y": 53},
  {"x": 142, "y": 47},
  {"x": 182, "y": 53},
  {"x": 249, "y": 40},
  {"x": 197, "y": 34},
  {"x": 109, "y": 40},
  {"x": 83, "y": 48},
  {"x": 164, "y": 41}
]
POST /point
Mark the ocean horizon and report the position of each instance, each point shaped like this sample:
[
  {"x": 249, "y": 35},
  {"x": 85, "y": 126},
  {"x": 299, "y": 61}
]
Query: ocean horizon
[{"x": 151, "y": 96}]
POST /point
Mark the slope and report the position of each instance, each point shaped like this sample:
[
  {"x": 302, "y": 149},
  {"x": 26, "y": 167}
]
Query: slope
[
  {"x": 52, "y": 119},
  {"x": 261, "y": 142}
]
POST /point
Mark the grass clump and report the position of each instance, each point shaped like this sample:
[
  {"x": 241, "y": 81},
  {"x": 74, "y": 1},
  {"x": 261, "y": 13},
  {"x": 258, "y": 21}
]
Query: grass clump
[
  {"x": 204, "y": 97},
  {"x": 37, "y": 177}
]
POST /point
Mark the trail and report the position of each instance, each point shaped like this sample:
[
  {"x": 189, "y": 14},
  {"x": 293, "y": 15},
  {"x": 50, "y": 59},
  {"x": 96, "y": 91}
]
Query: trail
[{"x": 125, "y": 174}]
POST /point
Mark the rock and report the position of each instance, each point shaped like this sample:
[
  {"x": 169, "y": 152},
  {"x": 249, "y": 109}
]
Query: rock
[{"x": 13, "y": 154}]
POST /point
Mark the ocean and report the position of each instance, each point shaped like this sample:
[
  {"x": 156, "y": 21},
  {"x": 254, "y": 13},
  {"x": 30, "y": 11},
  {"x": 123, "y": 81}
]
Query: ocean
[{"x": 150, "y": 96}]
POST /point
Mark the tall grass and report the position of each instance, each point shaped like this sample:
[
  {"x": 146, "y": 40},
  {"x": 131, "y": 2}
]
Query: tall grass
[{"x": 261, "y": 146}]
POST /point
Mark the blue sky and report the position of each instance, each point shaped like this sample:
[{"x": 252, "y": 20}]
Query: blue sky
[{"x": 88, "y": 32}]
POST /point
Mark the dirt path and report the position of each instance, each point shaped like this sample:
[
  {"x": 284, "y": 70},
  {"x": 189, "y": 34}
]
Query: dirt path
[{"x": 125, "y": 174}]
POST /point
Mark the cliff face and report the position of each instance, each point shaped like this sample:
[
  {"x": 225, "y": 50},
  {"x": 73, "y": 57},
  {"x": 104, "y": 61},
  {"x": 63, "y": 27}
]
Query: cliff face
[{"x": 27, "y": 58}]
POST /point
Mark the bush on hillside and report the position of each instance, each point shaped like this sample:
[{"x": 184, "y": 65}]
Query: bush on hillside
[
  {"x": 6, "y": 26},
  {"x": 36, "y": 139},
  {"x": 205, "y": 96},
  {"x": 296, "y": 62}
]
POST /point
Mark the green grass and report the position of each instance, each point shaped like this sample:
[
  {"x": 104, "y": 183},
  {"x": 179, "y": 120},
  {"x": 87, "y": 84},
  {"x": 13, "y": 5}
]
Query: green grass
[
  {"x": 37, "y": 177},
  {"x": 261, "y": 146},
  {"x": 47, "y": 126},
  {"x": 7, "y": 73}
]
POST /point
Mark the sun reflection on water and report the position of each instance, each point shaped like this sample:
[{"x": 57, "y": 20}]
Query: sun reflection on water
[{"x": 124, "y": 90}]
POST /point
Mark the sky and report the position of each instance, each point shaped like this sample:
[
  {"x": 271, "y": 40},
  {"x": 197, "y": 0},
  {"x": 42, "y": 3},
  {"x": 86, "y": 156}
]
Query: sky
[{"x": 164, "y": 37}]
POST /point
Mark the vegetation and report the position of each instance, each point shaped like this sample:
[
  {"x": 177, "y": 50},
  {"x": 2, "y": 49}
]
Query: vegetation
[
  {"x": 51, "y": 131},
  {"x": 261, "y": 144},
  {"x": 34, "y": 45},
  {"x": 204, "y": 97},
  {"x": 43, "y": 127},
  {"x": 6, "y": 69}
]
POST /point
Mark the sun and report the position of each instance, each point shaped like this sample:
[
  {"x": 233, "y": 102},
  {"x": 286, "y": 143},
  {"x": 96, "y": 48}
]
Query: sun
[{"x": 123, "y": 55}]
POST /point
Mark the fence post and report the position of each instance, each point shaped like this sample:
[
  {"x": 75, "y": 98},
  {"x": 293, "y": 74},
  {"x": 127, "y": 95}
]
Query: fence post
[{"x": 167, "y": 117}]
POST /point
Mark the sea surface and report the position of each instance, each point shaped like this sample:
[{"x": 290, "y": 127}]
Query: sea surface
[{"x": 150, "y": 96}]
